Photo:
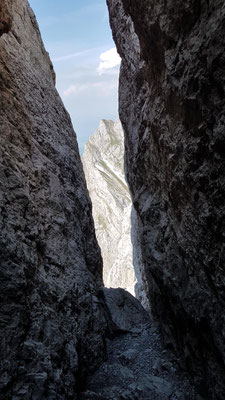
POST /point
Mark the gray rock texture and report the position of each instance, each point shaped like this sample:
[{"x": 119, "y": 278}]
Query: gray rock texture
[
  {"x": 138, "y": 367},
  {"x": 141, "y": 287},
  {"x": 103, "y": 161},
  {"x": 51, "y": 323},
  {"x": 5, "y": 16},
  {"x": 126, "y": 312},
  {"x": 172, "y": 105}
]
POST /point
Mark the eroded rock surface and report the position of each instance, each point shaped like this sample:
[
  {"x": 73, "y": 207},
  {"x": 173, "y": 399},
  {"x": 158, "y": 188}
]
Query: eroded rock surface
[
  {"x": 51, "y": 324},
  {"x": 103, "y": 162},
  {"x": 5, "y": 16},
  {"x": 172, "y": 111}
]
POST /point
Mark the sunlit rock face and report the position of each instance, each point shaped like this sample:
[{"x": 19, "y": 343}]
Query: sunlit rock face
[
  {"x": 172, "y": 110},
  {"x": 104, "y": 170},
  {"x": 51, "y": 324}
]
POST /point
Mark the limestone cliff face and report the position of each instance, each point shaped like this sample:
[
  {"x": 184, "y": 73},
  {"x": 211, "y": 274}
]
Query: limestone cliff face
[
  {"x": 104, "y": 170},
  {"x": 172, "y": 110},
  {"x": 51, "y": 325}
]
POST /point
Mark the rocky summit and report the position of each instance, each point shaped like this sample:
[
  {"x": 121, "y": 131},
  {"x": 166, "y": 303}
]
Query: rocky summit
[
  {"x": 171, "y": 105},
  {"x": 103, "y": 161}
]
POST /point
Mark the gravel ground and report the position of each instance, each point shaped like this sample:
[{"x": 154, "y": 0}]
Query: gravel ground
[{"x": 138, "y": 366}]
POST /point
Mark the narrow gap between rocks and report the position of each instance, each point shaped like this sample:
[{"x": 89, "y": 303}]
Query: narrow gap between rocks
[{"x": 138, "y": 366}]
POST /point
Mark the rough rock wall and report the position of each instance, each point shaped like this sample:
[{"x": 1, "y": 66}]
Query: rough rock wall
[
  {"x": 5, "y": 16},
  {"x": 141, "y": 287},
  {"x": 172, "y": 110},
  {"x": 103, "y": 162},
  {"x": 51, "y": 325}
]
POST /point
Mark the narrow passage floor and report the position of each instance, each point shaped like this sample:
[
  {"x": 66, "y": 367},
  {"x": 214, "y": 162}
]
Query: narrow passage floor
[{"x": 138, "y": 365}]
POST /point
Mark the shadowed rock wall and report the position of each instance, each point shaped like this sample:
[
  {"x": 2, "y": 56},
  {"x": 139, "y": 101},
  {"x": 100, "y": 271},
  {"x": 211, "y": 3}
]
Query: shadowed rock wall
[
  {"x": 171, "y": 98},
  {"x": 51, "y": 324},
  {"x": 5, "y": 16}
]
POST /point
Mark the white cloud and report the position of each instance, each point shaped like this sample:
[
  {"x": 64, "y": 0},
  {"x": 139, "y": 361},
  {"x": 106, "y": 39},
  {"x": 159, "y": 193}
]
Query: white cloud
[
  {"x": 70, "y": 56},
  {"x": 109, "y": 59},
  {"x": 75, "y": 89},
  {"x": 103, "y": 88},
  {"x": 78, "y": 54}
]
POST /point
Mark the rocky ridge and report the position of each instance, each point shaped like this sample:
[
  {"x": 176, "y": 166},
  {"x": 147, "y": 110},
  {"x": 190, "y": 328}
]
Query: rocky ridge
[
  {"x": 171, "y": 99},
  {"x": 104, "y": 171},
  {"x": 51, "y": 321}
]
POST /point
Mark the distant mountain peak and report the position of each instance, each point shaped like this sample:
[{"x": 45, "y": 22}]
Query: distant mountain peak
[{"x": 104, "y": 170}]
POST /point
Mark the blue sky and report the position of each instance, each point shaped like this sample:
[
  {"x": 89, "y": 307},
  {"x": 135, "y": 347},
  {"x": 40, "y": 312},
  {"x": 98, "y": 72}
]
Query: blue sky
[{"x": 77, "y": 35}]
